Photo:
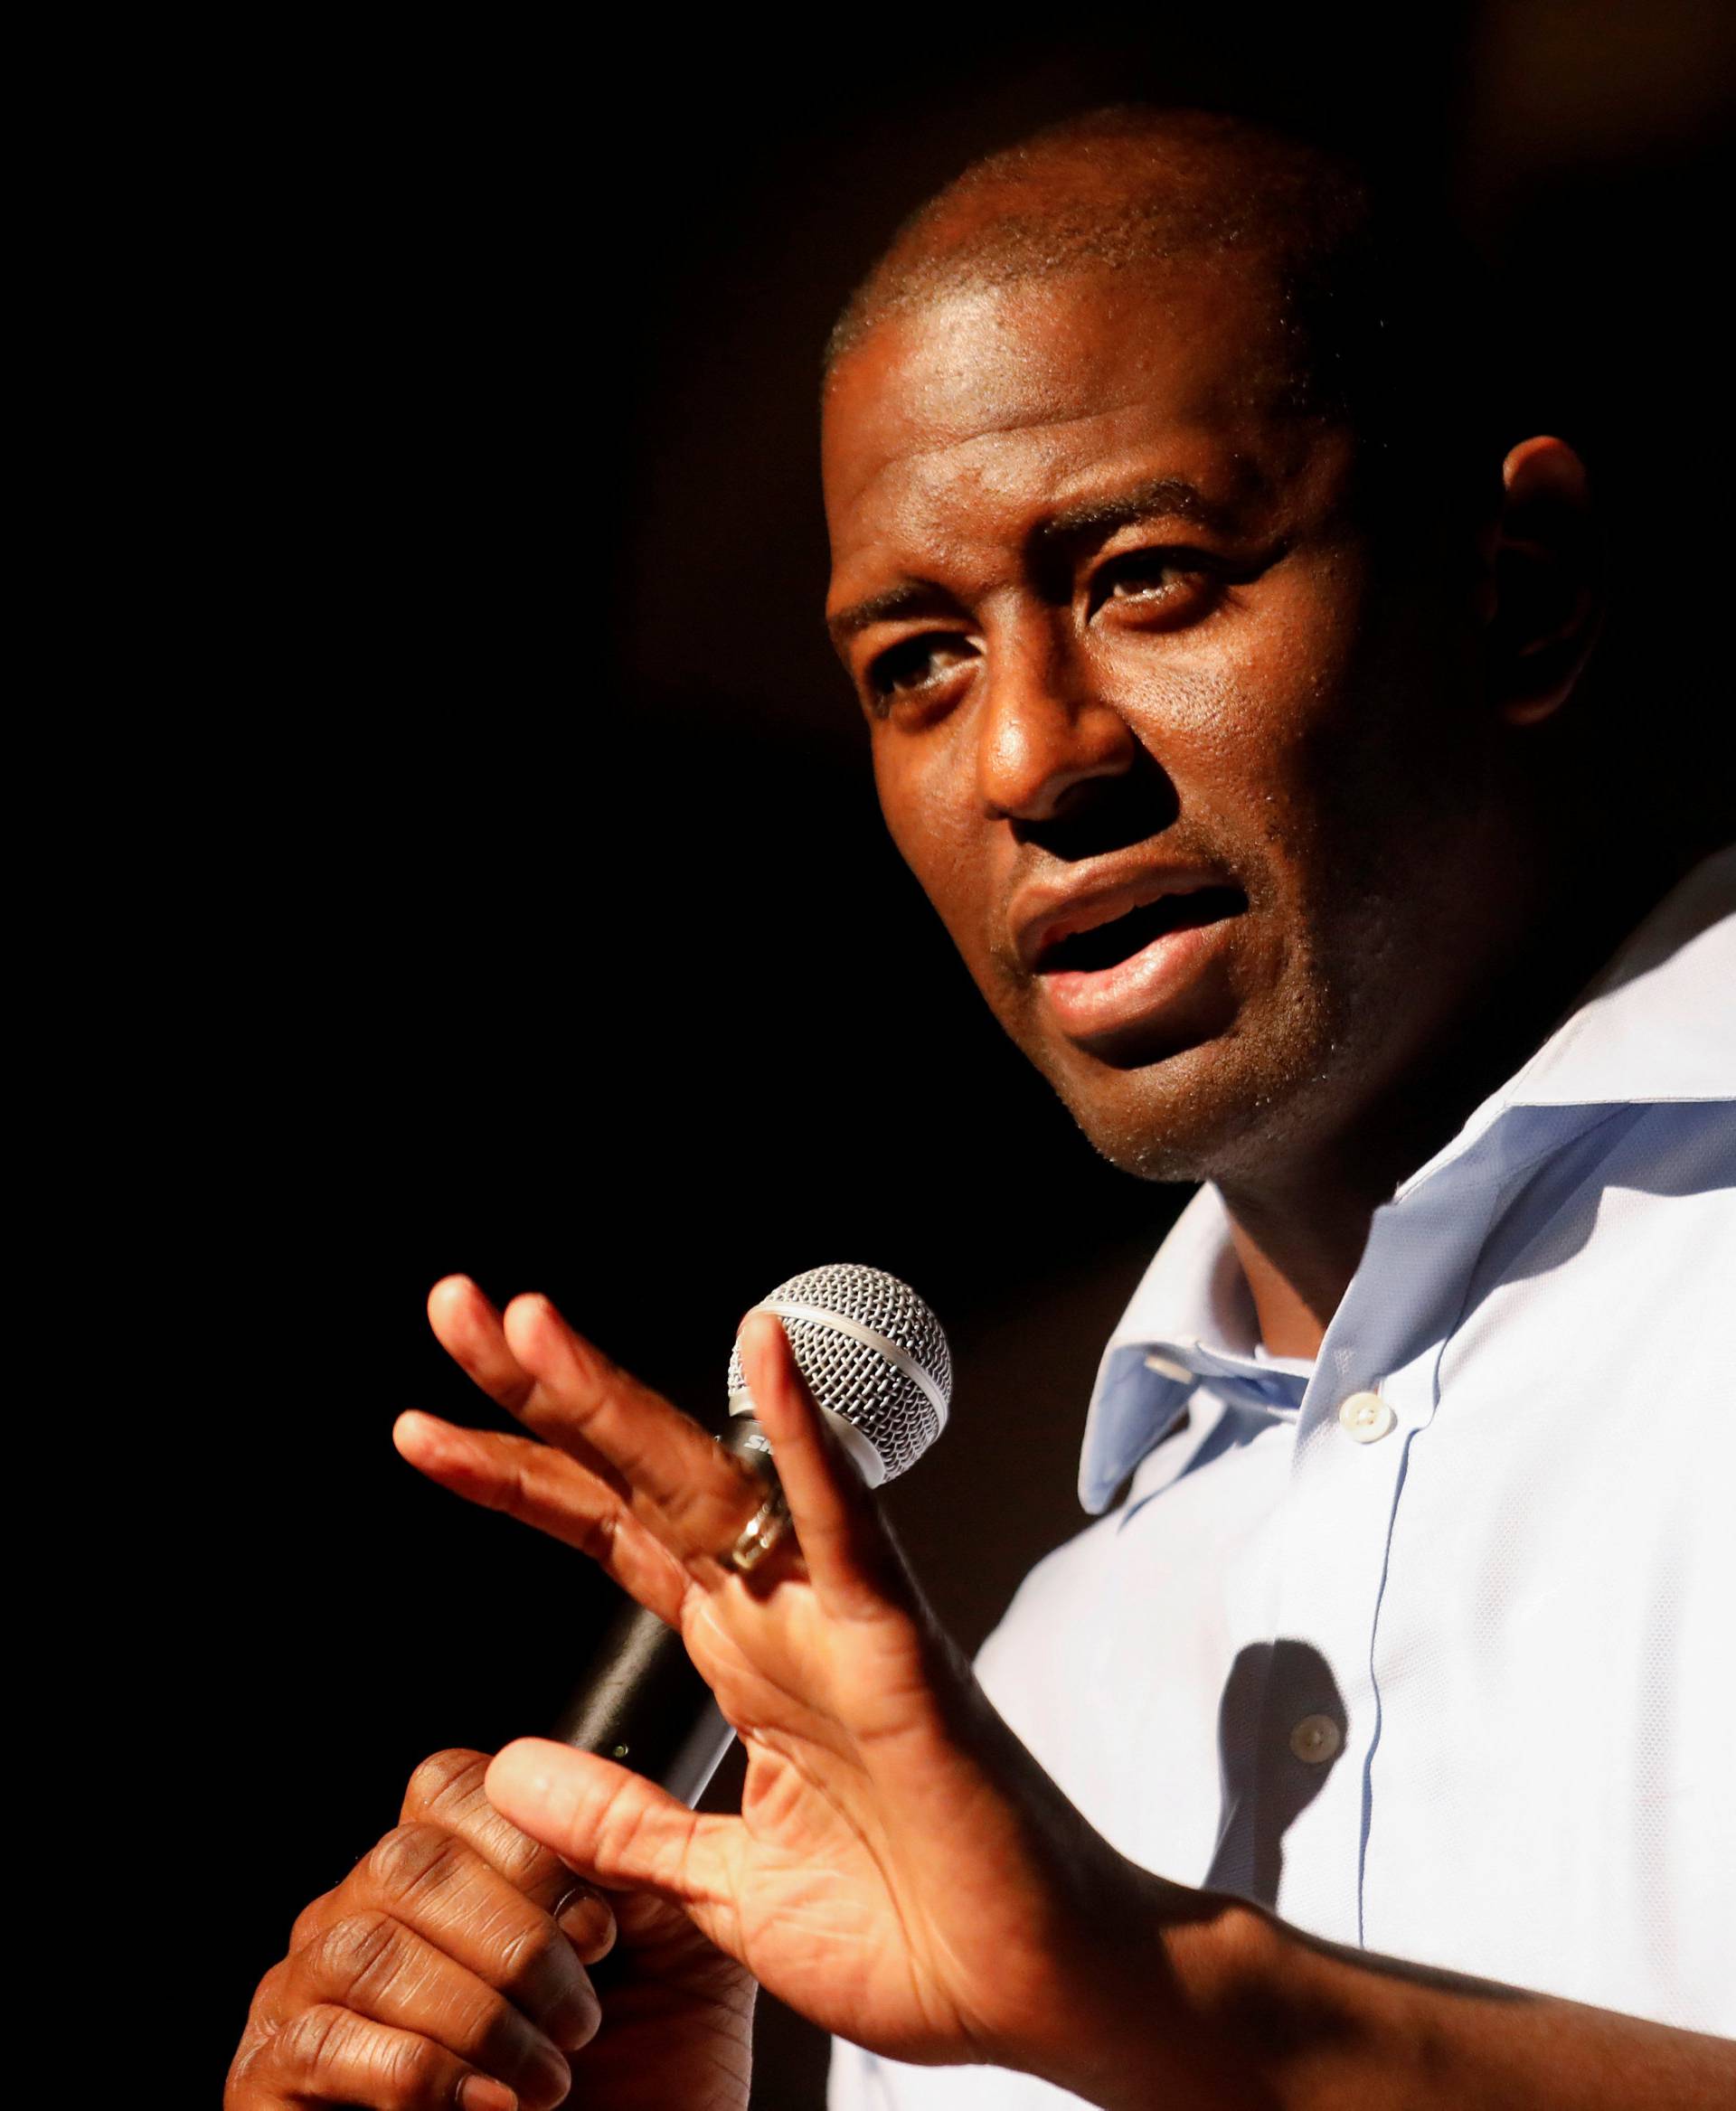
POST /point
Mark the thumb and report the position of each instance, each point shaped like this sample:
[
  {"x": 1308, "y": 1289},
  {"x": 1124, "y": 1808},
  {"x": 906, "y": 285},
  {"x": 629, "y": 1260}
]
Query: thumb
[
  {"x": 844, "y": 1541},
  {"x": 616, "y": 1828}
]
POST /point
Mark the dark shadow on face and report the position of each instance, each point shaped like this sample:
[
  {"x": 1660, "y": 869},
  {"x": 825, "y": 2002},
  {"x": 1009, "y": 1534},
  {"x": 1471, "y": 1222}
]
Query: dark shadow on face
[
  {"x": 1106, "y": 813},
  {"x": 1272, "y": 1687}
]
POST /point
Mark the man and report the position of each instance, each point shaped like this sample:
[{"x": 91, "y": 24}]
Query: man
[{"x": 1224, "y": 676}]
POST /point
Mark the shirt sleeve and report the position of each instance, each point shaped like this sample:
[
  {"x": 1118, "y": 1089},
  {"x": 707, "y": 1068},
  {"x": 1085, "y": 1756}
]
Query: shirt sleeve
[{"x": 857, "y": 2081}]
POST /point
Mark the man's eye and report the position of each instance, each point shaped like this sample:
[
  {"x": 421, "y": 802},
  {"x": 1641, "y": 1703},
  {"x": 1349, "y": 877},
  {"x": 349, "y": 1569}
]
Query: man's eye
[
  {"x": 915, "y": 664},
  {"x": 1156, "y": 577}
]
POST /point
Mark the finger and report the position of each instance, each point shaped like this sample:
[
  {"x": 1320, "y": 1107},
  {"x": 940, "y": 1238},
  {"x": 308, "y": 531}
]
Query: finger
[
  {"x": 448, "y": 1790},
  {"x": 849, "y": 1555},
  {"x": 445, "y": 1806},
  {"x": 374, "y": 1966},
  {"x": 629, "y": 1833},
  {"x": 543, "y": 1488},
  {"x": 663, "y": 1467},
  {"x": 329, "y": 2055},
  {"x": 691, "y": 1492},
  {"x": 468, "y": 1328},
  {"x": 470, "y": 1331},
  {"x": 437, "y": 1885}
]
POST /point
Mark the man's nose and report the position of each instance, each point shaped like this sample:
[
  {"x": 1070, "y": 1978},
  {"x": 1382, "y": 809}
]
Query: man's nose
[{"x": 1044, "y": 732}]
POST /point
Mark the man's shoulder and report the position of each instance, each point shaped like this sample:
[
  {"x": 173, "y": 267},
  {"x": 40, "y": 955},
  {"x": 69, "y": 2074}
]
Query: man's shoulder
[{"x": 1048, "y": 1612}]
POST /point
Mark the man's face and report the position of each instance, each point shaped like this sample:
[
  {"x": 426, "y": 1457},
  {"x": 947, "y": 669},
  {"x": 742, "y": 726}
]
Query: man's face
[{"x": 1175, "y": 741}]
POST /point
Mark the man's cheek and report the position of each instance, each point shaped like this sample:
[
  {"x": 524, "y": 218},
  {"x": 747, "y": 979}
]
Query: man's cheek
[{"x": 936, "y": 831}]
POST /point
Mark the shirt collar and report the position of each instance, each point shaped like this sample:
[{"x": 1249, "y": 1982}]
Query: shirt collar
[
  {"x": 1190, "y": 1324},
  {"x": 1659, "y": 1024}
]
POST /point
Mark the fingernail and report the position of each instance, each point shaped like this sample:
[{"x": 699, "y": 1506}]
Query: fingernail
[
  {"x": 573, "y": 2021},
  {"x": 587, "y": 1923},
  {"x": 551, "y": 2077},
  {"x": 481, "y": 2092}
]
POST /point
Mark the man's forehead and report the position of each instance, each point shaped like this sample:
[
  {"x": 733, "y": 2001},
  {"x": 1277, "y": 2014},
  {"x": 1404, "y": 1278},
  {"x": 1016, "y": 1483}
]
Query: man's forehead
[
  {"x": 1048, "y": 345},
  {"x": 978, "y": 396}
]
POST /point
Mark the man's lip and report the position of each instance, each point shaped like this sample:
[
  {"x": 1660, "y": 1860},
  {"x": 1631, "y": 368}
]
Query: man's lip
[{"x": 1042, "y": 916}]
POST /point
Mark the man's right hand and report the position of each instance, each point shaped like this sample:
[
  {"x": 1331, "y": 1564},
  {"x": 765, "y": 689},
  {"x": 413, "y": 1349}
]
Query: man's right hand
[{"x": 447, "y": 1970}]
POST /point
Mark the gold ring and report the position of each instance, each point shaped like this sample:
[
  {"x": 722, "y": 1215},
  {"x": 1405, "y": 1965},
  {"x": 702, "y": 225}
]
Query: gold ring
[{"x": 760, "y": 1535}]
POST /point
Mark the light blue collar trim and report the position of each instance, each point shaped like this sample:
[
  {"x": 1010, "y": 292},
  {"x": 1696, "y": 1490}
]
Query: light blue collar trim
[
  {"x": 1190, "y": 1321},
  {"x": 1659, "y": 1024}
]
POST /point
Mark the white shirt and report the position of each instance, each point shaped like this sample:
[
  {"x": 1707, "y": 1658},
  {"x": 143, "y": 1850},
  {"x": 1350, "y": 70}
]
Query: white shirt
[{"x": 1426, "y": 1645}]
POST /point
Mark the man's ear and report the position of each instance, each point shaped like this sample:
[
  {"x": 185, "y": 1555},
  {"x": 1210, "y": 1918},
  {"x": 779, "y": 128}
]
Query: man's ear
[{"x": 1546, "y": 568}]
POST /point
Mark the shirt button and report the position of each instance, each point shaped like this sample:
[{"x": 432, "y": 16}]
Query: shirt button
[
  {"x": 1315, "y": 1739},
  {"x": 1366, "y": 1417},
  {"x": 1167, "y": 1367}
]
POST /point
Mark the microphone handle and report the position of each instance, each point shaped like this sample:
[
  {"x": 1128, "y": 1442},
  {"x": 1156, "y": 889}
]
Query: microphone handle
[{"x": 642, "y": 1704}]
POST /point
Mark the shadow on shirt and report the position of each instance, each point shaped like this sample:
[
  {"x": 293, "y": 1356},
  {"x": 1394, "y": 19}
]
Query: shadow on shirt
[{"x": 1275, "y": 1690}]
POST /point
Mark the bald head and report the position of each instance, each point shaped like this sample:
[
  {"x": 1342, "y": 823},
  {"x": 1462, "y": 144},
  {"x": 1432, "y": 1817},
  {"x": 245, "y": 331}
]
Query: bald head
[{"x": 1375, "y": 306}]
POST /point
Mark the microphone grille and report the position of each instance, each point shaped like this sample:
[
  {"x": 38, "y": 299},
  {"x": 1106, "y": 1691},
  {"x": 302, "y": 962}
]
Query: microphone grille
[{"x": 871, "y": 1353}]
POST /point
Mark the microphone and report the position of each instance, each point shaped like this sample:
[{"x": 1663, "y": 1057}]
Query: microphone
[{"x": 877, "y": 1363}]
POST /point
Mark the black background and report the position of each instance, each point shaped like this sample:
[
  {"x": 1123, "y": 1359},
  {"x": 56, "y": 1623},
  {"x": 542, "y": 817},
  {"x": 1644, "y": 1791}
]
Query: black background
[{"x": 507, "y": 891}]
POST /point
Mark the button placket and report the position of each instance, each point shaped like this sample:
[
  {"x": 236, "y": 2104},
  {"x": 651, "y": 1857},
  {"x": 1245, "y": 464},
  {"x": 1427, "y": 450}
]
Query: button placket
[{"x": 1343, "y": 1497}]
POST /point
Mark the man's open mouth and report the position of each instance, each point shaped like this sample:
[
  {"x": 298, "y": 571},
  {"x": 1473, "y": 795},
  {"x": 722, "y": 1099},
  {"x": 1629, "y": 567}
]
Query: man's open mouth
[{"x": 1108, "y": 944}]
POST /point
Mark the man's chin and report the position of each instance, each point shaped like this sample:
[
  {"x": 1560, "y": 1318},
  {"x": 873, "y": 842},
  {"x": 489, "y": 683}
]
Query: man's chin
[{"x": 1188, "y": 1115}]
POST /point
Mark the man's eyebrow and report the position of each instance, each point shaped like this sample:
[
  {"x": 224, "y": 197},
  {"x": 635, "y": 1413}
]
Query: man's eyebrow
[
  {"x": 1159, "y": 496},
  {"x": 914, "y": 597},
  {"x": 1171, "y": 496}
]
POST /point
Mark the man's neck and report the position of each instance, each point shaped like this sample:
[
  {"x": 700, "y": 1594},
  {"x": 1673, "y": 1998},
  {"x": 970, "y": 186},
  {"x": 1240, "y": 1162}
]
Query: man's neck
[
  {"x": 1299, "y": 1230},
  {"x": 1297, "y": 1278}
]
